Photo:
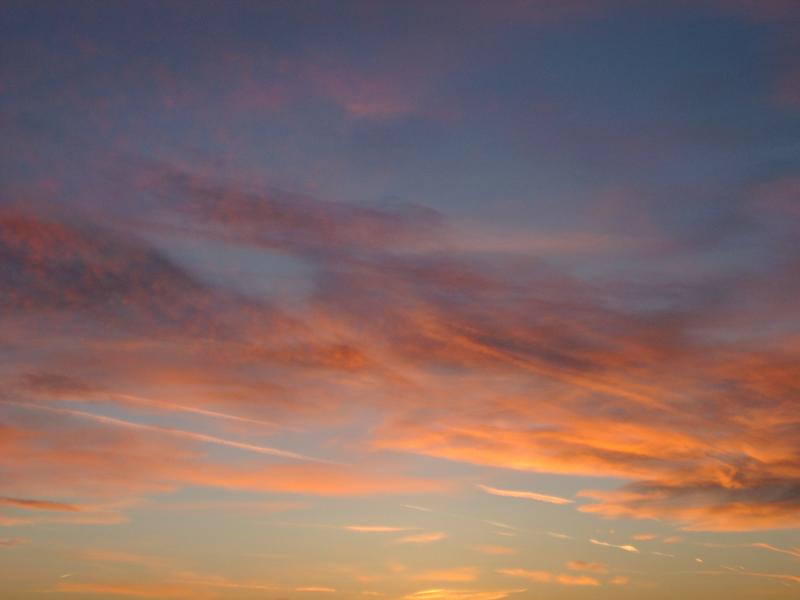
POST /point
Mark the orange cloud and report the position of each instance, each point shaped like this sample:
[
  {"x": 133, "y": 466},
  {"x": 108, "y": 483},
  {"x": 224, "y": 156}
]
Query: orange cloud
[
  {"x": 128, "y": 590},
  {"x": 579, "y": 580},
  {"x": 451, "y": 594},
  {"x": 547, "y": 577},
  {"x": 375, "y": 528},
  {"x": 610, "y": 389},
  {"x": 494, "y": 550},
  {"x": 580, "y": 565},
  {"x": 46, "y": 505},
  {"x": 124, "y": 463},
  {"x": 706, "y": 508},
  {"x": 422, "y": 538},
  {"x": 449, "y": 575}
]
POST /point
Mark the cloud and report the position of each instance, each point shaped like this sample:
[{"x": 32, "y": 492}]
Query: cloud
[
  {"x": 94, "y": 518},
  {"x": 500, "y": 525},
  {"x": 171, "y": 406},
  {"x": 706, "y": 506},
  {"x": 190, "y": 435},
  {"x": 46, "y": 505},
  {"x": 455, "y": 594},
  {"x": 274, "y": 219},
  {"x": 415, "y": 507},
  {"x": 625, "y": 547},
  {"x": 58, "y": 512},
  {"x": 558, "y": 374},
  {"x": 50, "y": 264},
  {"x": 57, "y": 385},
  {"x": 128, "y": 590},
  {"x": 116, "y": 466},
  {"x": 789, "y": 578},
  {"x": 155, "y": 326},
  {"x": 761, "y": 545},
  {"x": 526, "y": 495},
  {"x": 422, "y": 538},
  {"x": 494, "y": 550},
  {"x": 255, "y": 506},
  {"x": 11, "y": 542},
  {"x": 375, "y": 528},
  {"x": 456, "y": 574},
  {"x": 580, "y": 565},
  {"x": 547, "y": 577},
  {"x": 577, "y": 580},
  {"x": 312, "y": 479}
]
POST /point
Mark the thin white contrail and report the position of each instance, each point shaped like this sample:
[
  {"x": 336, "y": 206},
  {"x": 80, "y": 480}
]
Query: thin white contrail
[
  {"x": 127, "y": 398},
  {"x": 191, "y": 435},
  {"x": 762, "y": 545},
  {"x": 626, "y": 547}
]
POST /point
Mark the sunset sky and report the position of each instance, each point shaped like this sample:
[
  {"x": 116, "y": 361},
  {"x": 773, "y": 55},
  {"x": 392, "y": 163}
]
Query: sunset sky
[{"x": 409, "y": 300}]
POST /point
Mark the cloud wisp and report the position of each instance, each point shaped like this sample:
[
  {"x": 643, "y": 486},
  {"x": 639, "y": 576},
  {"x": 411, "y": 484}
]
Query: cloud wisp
[
  {"x": 524, "y": 495},
  {"x": 190, "y": 435},
  {"x": 625, "y": 547}
]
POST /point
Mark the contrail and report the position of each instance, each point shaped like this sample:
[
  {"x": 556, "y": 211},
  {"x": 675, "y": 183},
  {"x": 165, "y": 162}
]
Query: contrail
[
  {"x": 191, "y": 409},
  {"x": 626, "y": 548},
  {"x": 526, "y": 495},
  {"x": 199, "y": 437},
  {"x": 762, "y": 545}
]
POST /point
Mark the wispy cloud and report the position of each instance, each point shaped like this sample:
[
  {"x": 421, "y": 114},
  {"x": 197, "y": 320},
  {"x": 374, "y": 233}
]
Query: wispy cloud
[
  {"x": 415, "y": 507},
  {"x": 35, "y": 504},
  {"x": 524, "y": 495},
  {"x": 460, "y": 594},
  {"x": 762, "y": 545},
  {"x": 548, "y": 577},
  {"x": 625, "y": 547},
  {"x": 128, "y": 590},
  {"x": 127, "y": 398},
  {"x": 494, "y": 550},
  {"x": 199, "y": 437},
  {"x": 456, "y": 574},
  {"x": 785, "y": 577},
  {"x": 376, "y": 528},
  {"x": 593, "y": 567},
  {"x": 422, "y": 538}
]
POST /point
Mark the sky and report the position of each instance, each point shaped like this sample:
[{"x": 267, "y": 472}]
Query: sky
[{"x": 414, "y": 300}]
